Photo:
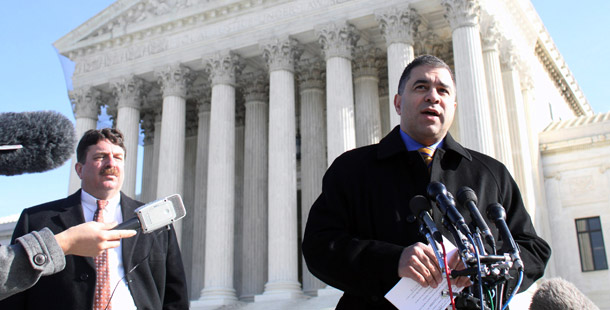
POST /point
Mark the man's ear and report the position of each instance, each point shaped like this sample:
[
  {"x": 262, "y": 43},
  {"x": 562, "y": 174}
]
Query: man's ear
[
  {"x": 397, "y": 102},
  {"x": 79, "y": 169}
]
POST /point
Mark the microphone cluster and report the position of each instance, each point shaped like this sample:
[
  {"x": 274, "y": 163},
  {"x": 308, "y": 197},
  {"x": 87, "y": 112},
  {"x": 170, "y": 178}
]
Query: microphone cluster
[{"x": 485, "y": 268}]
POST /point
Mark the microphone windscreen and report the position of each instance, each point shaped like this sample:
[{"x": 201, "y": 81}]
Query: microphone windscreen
[
  {"x": 557, "y": 294},
  {"x": 48, "y": 139}
]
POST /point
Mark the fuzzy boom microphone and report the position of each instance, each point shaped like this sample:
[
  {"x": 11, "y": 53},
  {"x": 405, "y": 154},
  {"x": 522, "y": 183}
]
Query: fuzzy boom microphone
[{"x": 34, "y": 141}]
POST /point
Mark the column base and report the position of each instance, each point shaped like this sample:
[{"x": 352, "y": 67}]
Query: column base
[
  {"x": 216, "y": 296},
  {"x": 280, "y": 290},
  {"x": 329, "y": 291}
]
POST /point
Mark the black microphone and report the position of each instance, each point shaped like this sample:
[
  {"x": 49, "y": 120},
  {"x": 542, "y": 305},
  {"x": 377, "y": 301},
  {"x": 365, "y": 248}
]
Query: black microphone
[
  {"x": 438, "y": 192},
  {"x": 156, "y": 214},
  {"x": 34, "y": 141},
  {"x": 497, "y": 214},
  {"x": 467, "y": 198},
  {"x": 420, "y": 206}
]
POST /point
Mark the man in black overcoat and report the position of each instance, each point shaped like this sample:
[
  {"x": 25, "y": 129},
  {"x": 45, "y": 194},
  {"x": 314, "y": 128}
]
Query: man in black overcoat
[{"x": 361, "y": 236}]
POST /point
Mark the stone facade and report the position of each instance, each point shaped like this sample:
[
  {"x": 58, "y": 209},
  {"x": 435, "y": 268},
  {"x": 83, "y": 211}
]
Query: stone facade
[{"x": 243, "y": 103}]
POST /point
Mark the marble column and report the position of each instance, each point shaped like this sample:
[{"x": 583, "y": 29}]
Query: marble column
[
  {"x": 313, "y": 148},
  {"x": 201, "y": 188},
  {"x": 86, "y": 107},
  {"x": 240, "y": 114},
  {"x": 283, "y": 272},
  {"x": 188, "y": 197},
  {"x": 398, "y": 26},
  {"x": 254, "y": 269},
  {"x": 495, "y": 92},
  {"x": 384, "y": 94},
  {"x": 173, "y": 80},
  {"x": 473, "y": 105},
  {"x": 148, "y": 128},
  {"x": 220, "y": 207},
  {"x": 366, "y": 86},
  {"x": 128, "y": 94},
  {"x": 517, "y": 124},
  {"x": 154, "y": 183},
  {"x": 337, "y": 41}
]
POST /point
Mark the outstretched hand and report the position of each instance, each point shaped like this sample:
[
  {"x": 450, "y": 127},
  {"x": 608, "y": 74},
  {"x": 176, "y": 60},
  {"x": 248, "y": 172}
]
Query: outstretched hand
[{"x": 91, "y": 238}]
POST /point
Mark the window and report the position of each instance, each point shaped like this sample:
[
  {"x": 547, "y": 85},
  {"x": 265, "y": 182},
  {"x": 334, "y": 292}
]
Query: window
[{"x": 591, "y": 244}]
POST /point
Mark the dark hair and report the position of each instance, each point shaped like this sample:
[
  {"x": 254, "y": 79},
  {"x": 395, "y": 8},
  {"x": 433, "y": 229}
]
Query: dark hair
[
  {"x": 93, "y": 136},
  {"x": 423, "y": 60}
]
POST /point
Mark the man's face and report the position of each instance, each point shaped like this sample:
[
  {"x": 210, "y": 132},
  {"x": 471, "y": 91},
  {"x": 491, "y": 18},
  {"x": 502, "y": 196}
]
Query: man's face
[
  {"x": 427, "y": 104},
  {"x": 102, "y": 172}
]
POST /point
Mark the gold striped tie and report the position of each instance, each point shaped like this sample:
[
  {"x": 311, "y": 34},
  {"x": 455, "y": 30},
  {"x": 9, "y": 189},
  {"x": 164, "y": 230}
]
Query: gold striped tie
[{"x": 427, "y": 153}]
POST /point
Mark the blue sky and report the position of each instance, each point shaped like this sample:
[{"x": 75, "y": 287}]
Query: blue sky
[{"x": 32, "y": 78}]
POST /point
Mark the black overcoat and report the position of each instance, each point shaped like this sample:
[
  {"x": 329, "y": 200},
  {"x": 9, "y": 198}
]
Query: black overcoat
[
  {"x": 359, "y": 225},
  {"x": 157, "y": 283}
]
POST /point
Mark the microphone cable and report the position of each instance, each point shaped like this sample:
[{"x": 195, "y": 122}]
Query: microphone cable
[
  {"x": 514, "y": 292},
  {"x": 135, "y": 266},
  {"x": 447, "y": 275},
  {"x": 480, "y": 277}
]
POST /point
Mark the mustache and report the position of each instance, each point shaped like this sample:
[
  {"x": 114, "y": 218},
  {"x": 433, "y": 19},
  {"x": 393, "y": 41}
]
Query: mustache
[{"x": 110, "y": 171}]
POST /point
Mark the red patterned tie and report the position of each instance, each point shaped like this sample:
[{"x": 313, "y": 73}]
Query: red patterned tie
[{"x": 102, "y": 278}]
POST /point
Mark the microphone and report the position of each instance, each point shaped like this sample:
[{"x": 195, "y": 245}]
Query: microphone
[
  {"x": 497, "y": 214},
  {"x": 557, "y": 293},
  {"x": 34, "y": 141},
  {"x": 438, "y": 192},
  {"x": 156, "y": 214},
  {"x": 420, "y": 206},
  {"x": 467, "y": 198}
]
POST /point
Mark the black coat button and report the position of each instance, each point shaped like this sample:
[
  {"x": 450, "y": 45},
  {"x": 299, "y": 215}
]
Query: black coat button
[{"x": 40, "y": 259}]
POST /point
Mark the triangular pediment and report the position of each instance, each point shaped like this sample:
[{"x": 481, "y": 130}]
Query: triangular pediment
[{"x": 130, "y": 17}]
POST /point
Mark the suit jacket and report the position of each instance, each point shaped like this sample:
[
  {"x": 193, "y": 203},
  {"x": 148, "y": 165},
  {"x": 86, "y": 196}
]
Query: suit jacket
[
  {"x": 157, "y": 283},
  {"x": 359, "y": 225}
]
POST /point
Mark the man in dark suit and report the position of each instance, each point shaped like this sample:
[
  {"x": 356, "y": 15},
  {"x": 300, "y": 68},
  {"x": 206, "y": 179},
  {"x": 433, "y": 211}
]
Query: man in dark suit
[
  {"x": 360, "y": 235},
  {"x": 145, "y": 272}
]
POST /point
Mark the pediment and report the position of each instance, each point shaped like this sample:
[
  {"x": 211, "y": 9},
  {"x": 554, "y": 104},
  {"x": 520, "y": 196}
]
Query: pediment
[{"x": 143, "y": 18}]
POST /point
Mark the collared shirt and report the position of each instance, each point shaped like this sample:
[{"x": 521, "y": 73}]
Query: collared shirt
[
  {"x": 122, "y": 297},
  {"x": 413, "y": 145}
]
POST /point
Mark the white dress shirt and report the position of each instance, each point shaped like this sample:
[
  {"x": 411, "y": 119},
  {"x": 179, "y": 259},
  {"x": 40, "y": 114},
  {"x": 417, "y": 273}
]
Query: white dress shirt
[{"x": 122, "y": 296}]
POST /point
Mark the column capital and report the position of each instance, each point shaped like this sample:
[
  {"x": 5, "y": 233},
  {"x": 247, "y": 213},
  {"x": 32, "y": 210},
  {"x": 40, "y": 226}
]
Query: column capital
[
  {"x": 490, "y": 34},
  {"x": 86, "y": 102},
  {"x": 311, "y": 73},
  {"x": 462, "y": 13},
  {"x": 128, "y": 91},
  {"x": 337, "y": 39},
  {"x": 255, "y": 86},
  {"x": 367, "y": 61},
  {"x": 281, "y": 53},
  {"x": 204, "y": 107},
  {"x": 508, "y": 56},
  {"x": 398, "y": 25},
  {"x": 173, "y": 79},
  {"x": 223, "y": 67}
]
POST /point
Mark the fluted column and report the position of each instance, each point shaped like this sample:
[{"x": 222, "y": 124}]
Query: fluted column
[
  {"x": 366, "y": 86},
  {"x": 157, "y": 150},
  {"x": 338, "y": 41},
  {"x": 220, "y": 218},
  {"x": 283, "y": 272},
  {"x": 254, "y": 269},
  {"x": 190, "y": 159},
  {"x": 475, "y": 127},
  {"x": 173, "y": 80},
  {"x": 240, "y": 113},
  {"x": 201, "y": 188},
  {"x": 128, "y": 93},
  {"x": 397, "y": 27},
  {"x": 384, "y": 93},
  {"x": 86, "y": 108},
  {"x": 495, "y": 92},
  {"x": 313, "y": 148},
  {"x": 517, "y": 125},
  {"x": 148, "y": 127}
]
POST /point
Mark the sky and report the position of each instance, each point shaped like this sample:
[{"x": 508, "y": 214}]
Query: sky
[{"x": 32, "y": 78}]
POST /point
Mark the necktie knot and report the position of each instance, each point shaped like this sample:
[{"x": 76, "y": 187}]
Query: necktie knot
[{"x": 427, "y": 152}]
